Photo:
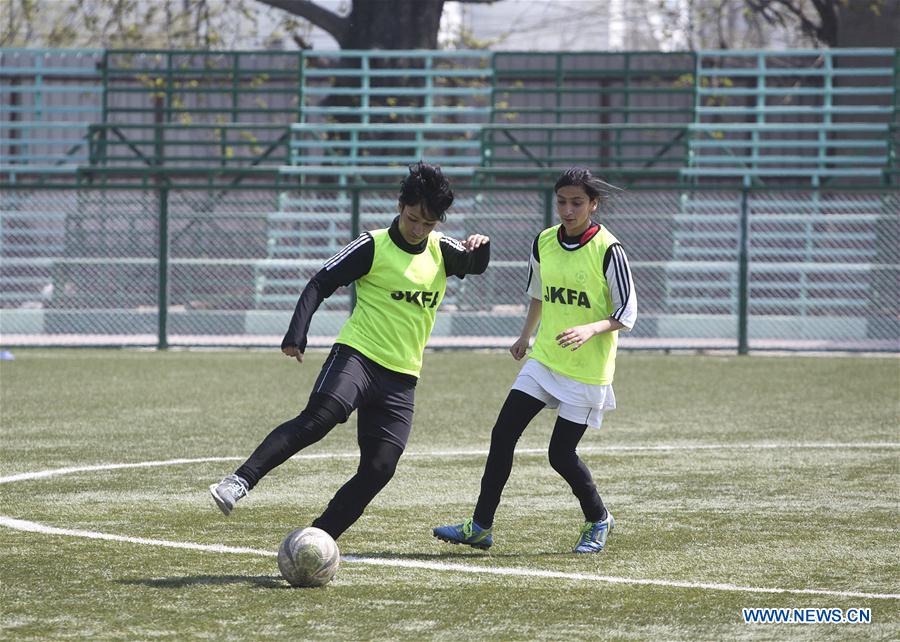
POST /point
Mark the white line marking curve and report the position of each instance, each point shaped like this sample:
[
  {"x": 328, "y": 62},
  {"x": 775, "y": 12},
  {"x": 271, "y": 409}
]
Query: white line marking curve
[
  {"x": 34, "y": 527},
  {"x": 53, "y": 472}
]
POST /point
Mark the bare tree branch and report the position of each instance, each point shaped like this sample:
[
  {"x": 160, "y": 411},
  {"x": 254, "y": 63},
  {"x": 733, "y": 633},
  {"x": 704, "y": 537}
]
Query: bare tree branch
[
  {"x": 782, "y": 12},
  {"x": 331, "y": 22},
  {"x": 339, "y": 27}
]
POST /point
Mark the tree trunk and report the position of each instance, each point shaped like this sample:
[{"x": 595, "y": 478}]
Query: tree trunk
[
  {"x": 860, "y": 25},
  {"x": 394, "y": 24}
]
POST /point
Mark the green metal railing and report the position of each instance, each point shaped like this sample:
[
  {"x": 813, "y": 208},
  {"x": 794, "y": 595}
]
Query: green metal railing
[
  {"x": 173, "y": 146},
  {"x": 107, "y": 265},
  {"x": 721, "y": 117},
  {"x": 46, "y": 97},
  {"x": 622, "y": 112},
  {"x": 397, "y": 86},
  {"x": 217, "y": 88},
  {"x": 813, "y": 115}
]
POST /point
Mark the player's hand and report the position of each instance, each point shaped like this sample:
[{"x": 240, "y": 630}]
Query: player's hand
[
  {"x": 475, "y": 241},
  {"x": 574, "y": 338},
  {"x": 519, "y": 348},
  {"x": 292, "y": 351}
]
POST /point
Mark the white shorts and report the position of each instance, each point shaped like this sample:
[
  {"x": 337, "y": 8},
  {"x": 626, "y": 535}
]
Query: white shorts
[{"x": 582, "y": 403}]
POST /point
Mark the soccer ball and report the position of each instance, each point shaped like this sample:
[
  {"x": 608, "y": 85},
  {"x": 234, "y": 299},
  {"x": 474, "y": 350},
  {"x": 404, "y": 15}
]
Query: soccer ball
[{"x": 308, "y": 557}]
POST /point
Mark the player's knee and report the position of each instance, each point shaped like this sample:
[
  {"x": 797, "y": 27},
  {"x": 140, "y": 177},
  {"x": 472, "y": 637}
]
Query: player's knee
[
  {"x": 379, "y": 471},
  {"x": 562, "y": 459},
  {"x": 322, "y": 413},
  {"x": 506, "y": 431},
  {"x": 378, "y": 460}
]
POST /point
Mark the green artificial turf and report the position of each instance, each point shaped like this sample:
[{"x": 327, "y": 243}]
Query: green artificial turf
[{"x": 745, "y": 472}]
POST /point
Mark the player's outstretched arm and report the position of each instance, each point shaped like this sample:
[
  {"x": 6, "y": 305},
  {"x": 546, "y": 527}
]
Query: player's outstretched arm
[
  {"x": 466, "y": 257},
  {"x": 292, "y": 351},
  {"x": 532, "y": 318},
  {"x": 351, "y": 263},
  {"x": 575, "y": 337},
  {"x": 475, "y": 241}
]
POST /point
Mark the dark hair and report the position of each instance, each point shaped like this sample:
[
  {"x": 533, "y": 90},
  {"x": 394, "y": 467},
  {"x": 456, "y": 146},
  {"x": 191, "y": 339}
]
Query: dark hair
[
  {"x": 596, "y": 188},
  {"x": 427, "y": 185}
]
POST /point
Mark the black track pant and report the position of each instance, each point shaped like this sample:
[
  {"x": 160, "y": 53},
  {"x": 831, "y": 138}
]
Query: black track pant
[
  {"x": 517, "y": 412},
  {"x": 321, "y": 414},
  {"x": 377, "y": 463},
  {"x": 377, "y": 460}
]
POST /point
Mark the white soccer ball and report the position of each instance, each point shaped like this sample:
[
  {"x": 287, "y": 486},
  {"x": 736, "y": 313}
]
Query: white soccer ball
[{"x": 308, "y": 557}]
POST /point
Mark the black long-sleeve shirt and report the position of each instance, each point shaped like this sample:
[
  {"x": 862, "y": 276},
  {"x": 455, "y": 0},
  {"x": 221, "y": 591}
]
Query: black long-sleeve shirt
[{"x": 355, "y": 260}]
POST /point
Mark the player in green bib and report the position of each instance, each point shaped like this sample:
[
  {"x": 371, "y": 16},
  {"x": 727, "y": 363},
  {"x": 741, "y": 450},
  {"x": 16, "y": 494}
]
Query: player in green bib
[
  {"x": 400, "y": 274},
  {"x": 581, "y": 295}
]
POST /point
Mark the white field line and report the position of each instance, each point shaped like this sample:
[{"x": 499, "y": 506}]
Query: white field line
[
  {"x": 54, "y": 472},
  {"x": 876, "y": 445},
  {"x": 873, "y": 445},
  {"x": 33, "y": 527}
]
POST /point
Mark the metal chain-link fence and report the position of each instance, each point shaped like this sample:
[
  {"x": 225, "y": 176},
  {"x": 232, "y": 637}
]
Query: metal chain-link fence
[{"x": 737, "y": 270}]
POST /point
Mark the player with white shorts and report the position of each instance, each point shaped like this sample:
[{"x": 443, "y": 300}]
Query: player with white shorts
[
  {"x": 581, "y": 295},
  {"x": 580, "y": 403}
]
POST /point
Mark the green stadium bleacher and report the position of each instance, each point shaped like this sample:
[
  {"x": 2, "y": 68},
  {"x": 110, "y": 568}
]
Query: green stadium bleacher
[
  {"x": 817, "y": 115},
  {"x": 780, "y": 118},
  {"x": 328, "y": 135},
  {"x": 366, "y": 116},
  {"x": 622, "y": 113},
  {"x": 29, "y": 235},
  {"x": 48, "y": 96}
]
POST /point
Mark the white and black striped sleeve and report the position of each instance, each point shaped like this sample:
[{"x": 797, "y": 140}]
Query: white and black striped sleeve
[
  {"x": 534, "y": 287},
  {"x": 621, "y": 286},
  {"x": 352, "y": 262},
  {"x": 459, "y": 262}
]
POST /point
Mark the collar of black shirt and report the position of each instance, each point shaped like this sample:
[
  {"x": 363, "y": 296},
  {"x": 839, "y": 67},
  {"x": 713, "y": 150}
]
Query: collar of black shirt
[
  {"x": 399, "y": 241},
  {"x": 574, "y": 242}
]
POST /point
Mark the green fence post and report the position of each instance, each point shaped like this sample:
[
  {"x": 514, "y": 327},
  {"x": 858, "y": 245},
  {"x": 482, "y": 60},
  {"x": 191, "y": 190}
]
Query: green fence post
[
  {"x": 235, "y": 86},
  {"x": 354, "y": 231},
  {"x": 743, "y": 276},
  {"x": 301, "y": 79},
  {"x": 548, "y": 208},
  {"x": 890, "y": 174},
  {"x": 560, "y": 88},
  {"x": 104, "y": 106},
  {"x": 163, "y": 277},
  {"x": 104, "y": 95}
]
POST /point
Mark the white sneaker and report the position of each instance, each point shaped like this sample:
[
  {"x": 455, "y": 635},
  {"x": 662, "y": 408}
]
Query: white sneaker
[{"x": 228, "y": 491}]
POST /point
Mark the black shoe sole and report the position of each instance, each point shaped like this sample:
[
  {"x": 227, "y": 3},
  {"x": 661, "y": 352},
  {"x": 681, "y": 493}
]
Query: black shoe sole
[{"x": 480, "y": 546}]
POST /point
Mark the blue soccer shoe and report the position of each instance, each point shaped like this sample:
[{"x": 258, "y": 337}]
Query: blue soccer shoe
[
  {"x": 468, "y": 533},
  {"x": 594, "y": 534}
]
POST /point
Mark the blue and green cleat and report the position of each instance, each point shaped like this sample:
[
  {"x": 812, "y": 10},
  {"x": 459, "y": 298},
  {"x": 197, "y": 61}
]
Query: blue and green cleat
[
  {"x": 468, "y": 533},
  {"x": 594, "y": 534}
]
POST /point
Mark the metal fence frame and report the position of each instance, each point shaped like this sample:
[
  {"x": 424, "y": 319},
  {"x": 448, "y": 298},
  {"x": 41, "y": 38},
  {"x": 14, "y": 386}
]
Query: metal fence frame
[{"x": 739, "y": 260}]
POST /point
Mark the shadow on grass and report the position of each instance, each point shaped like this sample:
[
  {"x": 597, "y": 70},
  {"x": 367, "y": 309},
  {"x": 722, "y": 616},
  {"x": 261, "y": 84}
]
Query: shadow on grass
[
  {"x": 457, "y": 553},
  {"x": 261, "y": 581}
]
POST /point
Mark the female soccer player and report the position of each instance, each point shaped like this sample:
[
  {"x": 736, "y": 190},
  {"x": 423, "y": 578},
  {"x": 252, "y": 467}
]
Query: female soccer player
[
  {"x": 582, "y": 294},
  {"x": 401, "y": 275}
]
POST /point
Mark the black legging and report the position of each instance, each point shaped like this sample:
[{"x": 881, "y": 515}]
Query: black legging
[
  {"x": 377, "y": 461},
  {"x": 517, "y": 412},
  {"x": 322, "y": 413}
]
